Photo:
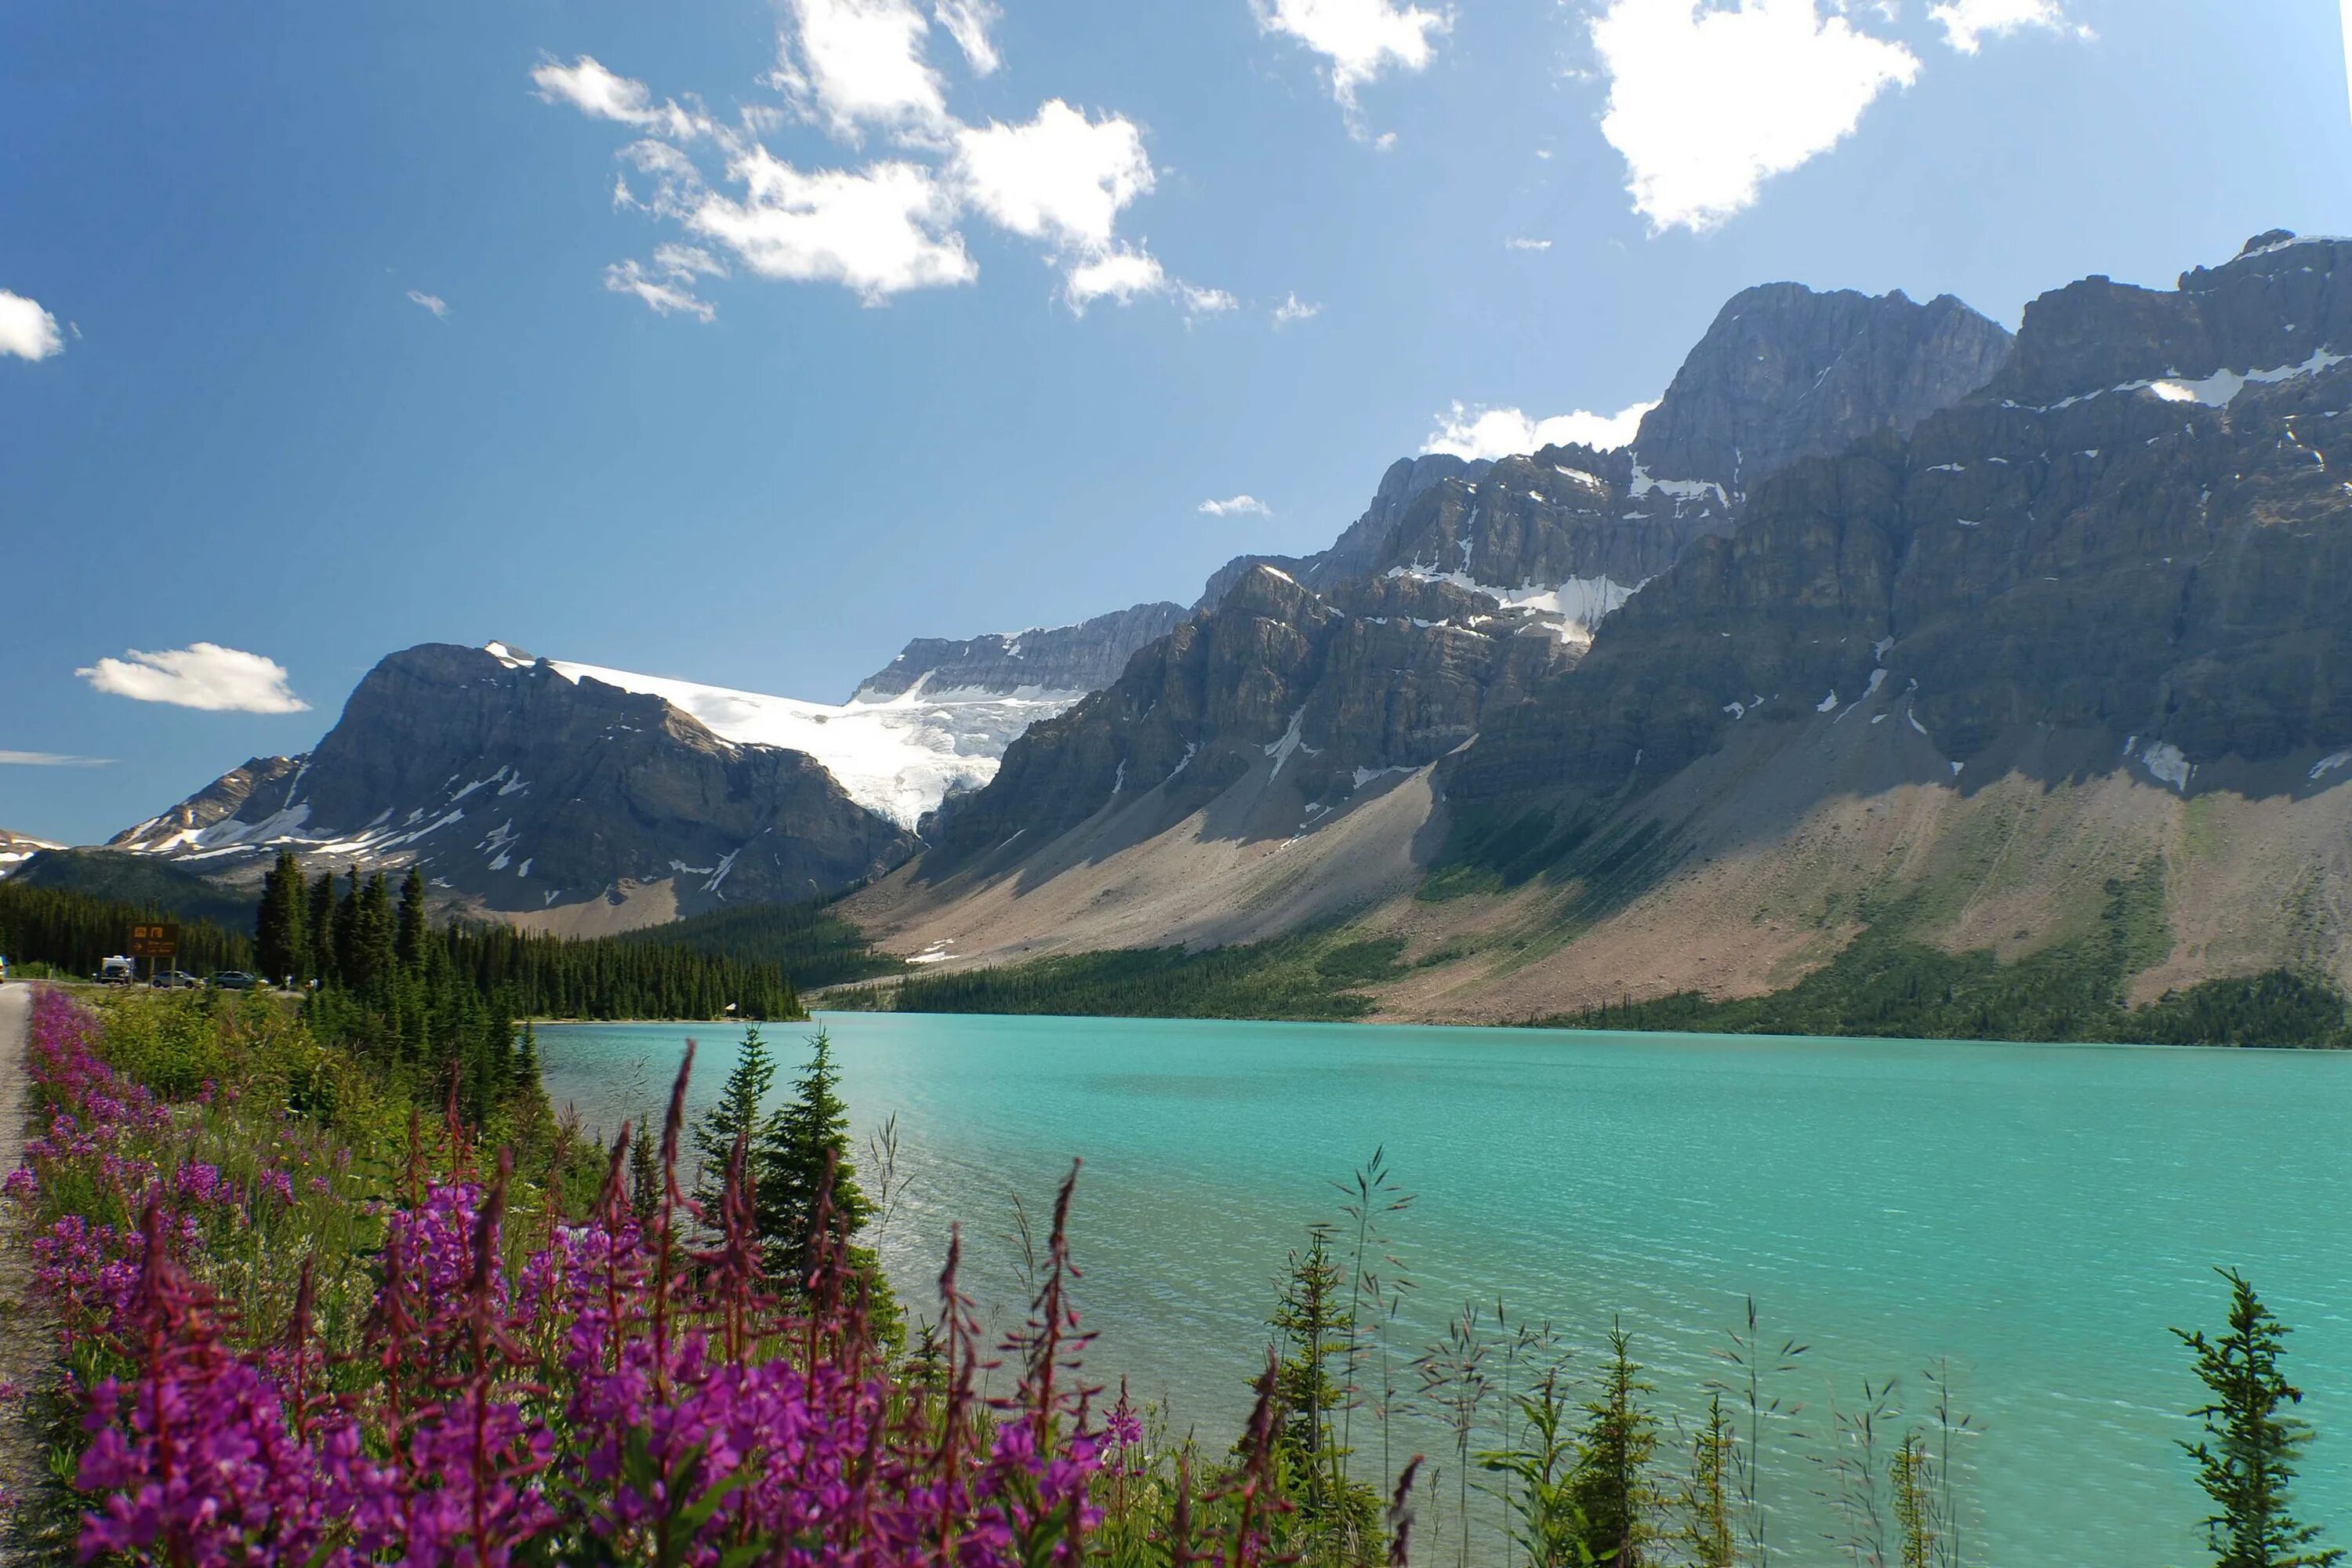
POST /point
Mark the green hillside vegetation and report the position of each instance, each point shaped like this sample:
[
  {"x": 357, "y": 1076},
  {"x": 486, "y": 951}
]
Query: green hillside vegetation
[
  {"x": 1310, "y": 976},
  {"x": 150, "y": 884},
  {"x": 71, "y": 931},
  {"x": 1890, "y": 984},
  {"x": 809, "y": 942}
]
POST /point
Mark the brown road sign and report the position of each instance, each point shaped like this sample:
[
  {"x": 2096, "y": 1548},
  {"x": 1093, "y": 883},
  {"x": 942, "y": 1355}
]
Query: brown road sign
[{"x": 158, "y": 940}]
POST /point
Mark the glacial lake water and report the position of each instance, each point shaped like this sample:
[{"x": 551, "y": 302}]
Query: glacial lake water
[{"x": 2033, "y": 1216}]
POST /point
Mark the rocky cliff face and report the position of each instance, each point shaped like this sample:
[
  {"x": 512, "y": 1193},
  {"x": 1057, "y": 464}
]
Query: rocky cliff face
[
  {"x": 2139, "y": 532},
  {"x": 519, "y": 787},
  {"x": 1068, "y": 660},
  {"x": 1332, "y": 691},
  {"x": 1360, "y": 546},
  {"x": 1786, "y": 373}
]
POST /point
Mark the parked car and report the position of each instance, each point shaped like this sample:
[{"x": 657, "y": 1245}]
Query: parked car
[
  {"x": 174, "y": 980},
  {"x": 235, "y": 980},
  {"x": 116, "y": 970}
]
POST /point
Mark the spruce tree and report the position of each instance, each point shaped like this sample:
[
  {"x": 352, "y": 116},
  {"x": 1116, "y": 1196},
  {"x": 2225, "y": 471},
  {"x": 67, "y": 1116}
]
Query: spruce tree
[
  {"x": 372, "y": 941},
  {"x": 320, "y": 927},
  {"x": 645, "y": 1175},
  {"x": 1317, "y": 1334},
  {"x": 793, "y": 1148},
  {"x": 1611, "y": 1490},
  {"x": 738, "y": 1114},
  {"x": 279, "y": 948},
  {"x": 2246, "y": 1461},
  {"x": 408, "y": 945},
  {"x": 347, "y": 931}
]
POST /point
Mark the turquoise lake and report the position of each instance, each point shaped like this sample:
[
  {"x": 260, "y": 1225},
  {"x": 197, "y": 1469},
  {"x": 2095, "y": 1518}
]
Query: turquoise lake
[{"x": 2035, "y": 1216}]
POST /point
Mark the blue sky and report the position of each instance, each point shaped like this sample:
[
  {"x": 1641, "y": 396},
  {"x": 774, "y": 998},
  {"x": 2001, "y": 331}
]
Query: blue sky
[{"x": 328, "y": 329}]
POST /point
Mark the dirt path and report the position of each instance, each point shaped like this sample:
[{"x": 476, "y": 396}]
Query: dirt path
[{"x": 23, "y": 1344}]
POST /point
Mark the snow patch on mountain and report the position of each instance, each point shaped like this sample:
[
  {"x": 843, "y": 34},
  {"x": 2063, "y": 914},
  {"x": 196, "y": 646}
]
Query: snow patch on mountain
[{"x": 899, "y": 756}]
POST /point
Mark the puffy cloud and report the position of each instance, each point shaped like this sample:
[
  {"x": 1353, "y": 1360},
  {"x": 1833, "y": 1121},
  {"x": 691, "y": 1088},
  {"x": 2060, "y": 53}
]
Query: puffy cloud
[
  {"x": 1294, "y": 309},
  {"x": 433, "y": 302},
  {"x": 880, "y": 230},
  {"x": 1706, "y": 104},
  {"x": 25, "y": 329},
  {"x": 1062, "y": 178},
  {"x": 51, "y": 760},
  {"x": 859, "y": 63},
  {"x": 1357, "y": 39},
  {"x": 202, "y": 675},
  {"x": 1237, "y": 506},
  {"x": 968, "y": 22},
  {"x": 1966, "y": 23},
  {"x": 667, "y": 285},
  {"x": 1507, "y": 432}
]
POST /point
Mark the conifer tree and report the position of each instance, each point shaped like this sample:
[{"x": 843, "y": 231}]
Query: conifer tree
[
  {"x": 372, "y": 940},
  {"x": 1611, "y": 1488},
  {"x": 2246, "y": 1460},
  {"x": 408, "y": 945},
  {"x": 1316, "y": 1334},
  {"x": 278, "y": 946},
  {"x": 738, "y": 1114},
  {"x": 645, "y": 1175},
  {"x": 347, "y": 932},
  {"x": 793, "y": 1148},
  {"x": 1707, "y": 1495},
  {"x": 320, "y": 927}
]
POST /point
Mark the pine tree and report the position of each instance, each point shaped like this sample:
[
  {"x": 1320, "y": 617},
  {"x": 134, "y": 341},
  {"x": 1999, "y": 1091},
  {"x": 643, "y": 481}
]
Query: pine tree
[
  {"x": 738, "y": 1114},
  {"x": 525, "y": 1062},
  {"x": 645, "y": 1175},
  {"x": 320, "y": 927},
  {"x": 278, "y": 946},
  {"x": 1316, "y": 1334},
  {"x": 408, "y": 945},
  {"x": 372, "y": 939},
  {"x": 2246, "y": 1461},
  {"x": 347, "y": 931},
  {"x": 1611, "y": 1488},
  {"x": 1707, "y": 1494},
  {"x": 793, "y": 1148}
]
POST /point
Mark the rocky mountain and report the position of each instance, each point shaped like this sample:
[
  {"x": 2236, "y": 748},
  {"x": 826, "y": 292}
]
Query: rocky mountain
[
  {"x": 1328, "y": 693},
  {"x": 2134, "y": 530},
  {"x": 524, "y": 787},
  {"x": 16, "y": 848},
  {"x": 1360, "y": 547},
  {"x": 1786, "y": 373},
  {"x": 2057, "y": 660},
  {"x": 1067, "y": 661}
]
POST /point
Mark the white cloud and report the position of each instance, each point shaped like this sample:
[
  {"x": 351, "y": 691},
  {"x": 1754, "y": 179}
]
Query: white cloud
[
  {"x": 50, "y": 760},
  {"x": 1119, "y": 275},
  {"x": 1294, "y": 309},
  {"x": 860, "y": 63},
  {"x": 25, "y": 329},
  {"x": 1061, "y": 178},
  {"x": 433, "y": 302},
  {"x": 967, "y": 22},
  {"x": 880, "y": 231},
  {"x": 1237, "y": 506},
  {"x": 601, "y": 94},
  {"x": 1966, "y": 23},
  {"x": 1518, "y": 244},
  {"x": 1507, "y": 432},
  {"x": 1358, "y": 38},
  {"x": 1200, "y": 301},
  {"x": 1706, "y": 104},
  {"x": 203, "y": 675},
  {"x": 667, "y": 286}
]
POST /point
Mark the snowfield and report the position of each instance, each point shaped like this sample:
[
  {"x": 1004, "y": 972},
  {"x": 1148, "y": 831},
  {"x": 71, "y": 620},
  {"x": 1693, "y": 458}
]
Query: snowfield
[{"x": 897, "y": 756}]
